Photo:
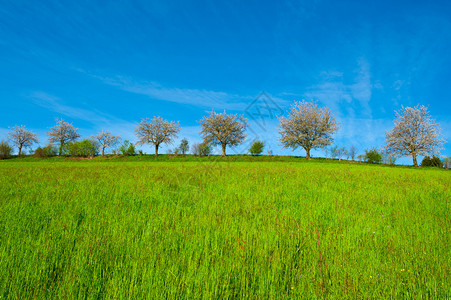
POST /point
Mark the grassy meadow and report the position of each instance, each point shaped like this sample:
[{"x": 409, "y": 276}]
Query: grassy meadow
[{"x": 263, "y": 228}]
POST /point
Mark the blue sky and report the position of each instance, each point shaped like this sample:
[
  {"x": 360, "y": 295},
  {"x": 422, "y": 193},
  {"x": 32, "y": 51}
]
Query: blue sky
[{"x": 107, "y": 64}]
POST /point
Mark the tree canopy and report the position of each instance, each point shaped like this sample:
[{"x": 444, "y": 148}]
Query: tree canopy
[
  {"x": 62, "y": 133},
  {"x": 223, "y": 129},
  {"x": 415, "y": 133},
  {"x": 308, "y": 126},
  {"x": 105, "y": 140},
  {"x": 156, "y": 131},
  {"x": 22, "y": 137}
]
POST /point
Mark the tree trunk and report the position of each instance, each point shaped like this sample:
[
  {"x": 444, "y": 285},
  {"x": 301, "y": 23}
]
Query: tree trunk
[
  {"x": 156, "y": 150},
  {"x": 414, "y": 156},
  {"x": 223, "y": 149},
  {"x": 103, "y": 151},
  {"x": 60, "y": 150},
  {"x": 308, "y": 154},
  {"x": 20, "y": 150}
]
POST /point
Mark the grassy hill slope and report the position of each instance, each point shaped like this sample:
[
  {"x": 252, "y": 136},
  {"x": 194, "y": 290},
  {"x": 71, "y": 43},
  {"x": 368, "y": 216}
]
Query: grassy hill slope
[{"x": 198, "y": 227}]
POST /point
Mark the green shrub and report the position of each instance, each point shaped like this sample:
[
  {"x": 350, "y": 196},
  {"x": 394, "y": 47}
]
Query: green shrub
[
  {"x": 257, "y": 148},
  {"x": 447, "y": 163},
  {"x": 388, "y": 158},
  {"x": 5, "y": 150},
  {"x": 373, "y": 156},
  {"x": 127, "y": 148},
  {"x": 433, "y": 161},
  {"x": 46, "y": 151},
  {"x": 83, "y": 148},
  {"x": 201, "y": 149},
  {"x": 183, "y": 148}
]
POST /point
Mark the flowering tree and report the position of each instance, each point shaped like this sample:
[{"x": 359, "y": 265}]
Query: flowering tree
[
  {"x": 308, "y": 126},
  {"x": 415, "y": 133},
  {"x": 22, "y": 137},
  {"x": 105, "y": 140},
  {"x": 223, "y": 129},
  {"x": 156, "y": 131},
  {"x": 62, "y": 133}
]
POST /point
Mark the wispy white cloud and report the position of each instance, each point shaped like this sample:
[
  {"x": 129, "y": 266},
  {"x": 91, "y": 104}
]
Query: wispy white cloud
[
  {"x": 363, "y": 131},
  {"x": 333, "y": 91},
  {"x": 198, "y": 97},
  {"x": 203, "y": 98},
  {"x": 100, "y": 120},
  {"x": 55, "y": 104}
]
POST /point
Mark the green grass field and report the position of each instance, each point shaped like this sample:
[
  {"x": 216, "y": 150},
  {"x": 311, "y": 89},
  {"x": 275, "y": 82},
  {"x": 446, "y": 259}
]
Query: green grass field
[{"x": 228, "y": 228}]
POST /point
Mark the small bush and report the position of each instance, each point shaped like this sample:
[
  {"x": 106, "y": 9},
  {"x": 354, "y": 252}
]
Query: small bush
[
  {"x": 373, "y": 156},
  {"x": 433, "y": 161},
  {"x": 257, "y": 148},
  {"x": 447, "y": 163},
  {"x": 5, "y": 150},
  {"x": 361, "y": 157},
  {"x": 205, "y": 149},
  {"x": 388, "y": 158},
  {"x": 195, "y": 148},
  {"x": 46, "y": 151},
  {"x": 127, "y": 148},
  {"x": 201, "y": 149}
]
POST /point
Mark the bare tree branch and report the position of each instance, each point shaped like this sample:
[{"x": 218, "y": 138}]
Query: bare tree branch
[{"x": 352, "y": 152}]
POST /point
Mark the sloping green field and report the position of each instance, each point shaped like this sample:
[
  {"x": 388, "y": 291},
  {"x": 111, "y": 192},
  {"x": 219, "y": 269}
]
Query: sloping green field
[{"x": 199, "y": 229}]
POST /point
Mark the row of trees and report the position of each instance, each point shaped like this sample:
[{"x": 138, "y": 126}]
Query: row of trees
[{"x": 307, "y": 126}]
